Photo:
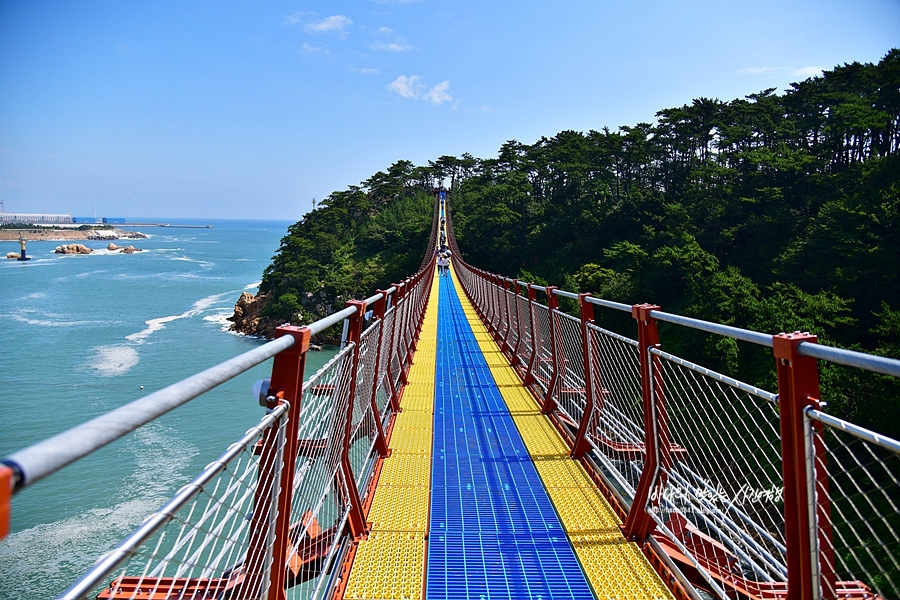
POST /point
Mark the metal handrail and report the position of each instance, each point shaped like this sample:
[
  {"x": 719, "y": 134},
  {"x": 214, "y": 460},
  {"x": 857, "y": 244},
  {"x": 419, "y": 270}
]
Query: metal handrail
[
  {"x": 46, "y": 457},
  {"x": 110, "y": 561}
]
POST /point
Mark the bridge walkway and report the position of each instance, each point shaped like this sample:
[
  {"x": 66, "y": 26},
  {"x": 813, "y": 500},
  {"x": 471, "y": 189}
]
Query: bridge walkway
[{"x": 479, "y": 497}]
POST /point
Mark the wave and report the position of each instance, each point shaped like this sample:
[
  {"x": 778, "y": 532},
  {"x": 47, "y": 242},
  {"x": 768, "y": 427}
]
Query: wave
[
  {"x": 113, "y": 360},
  {"x": 253, "y": 285},
  {"x": 89, "y": 273},
  {"x": 34, "y": 296},
  {"x": 63, "y": 550},
  {"x": 47, "y": 319},
  {"x": 220, "y": 319},
  {"x": 156, "y": 324}
]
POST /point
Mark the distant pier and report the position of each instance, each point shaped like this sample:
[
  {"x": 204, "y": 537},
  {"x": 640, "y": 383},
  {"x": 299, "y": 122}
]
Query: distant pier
[{"x": 163, "y": 225}]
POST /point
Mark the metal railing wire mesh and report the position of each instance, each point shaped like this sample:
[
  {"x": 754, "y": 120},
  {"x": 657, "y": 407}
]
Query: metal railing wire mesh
[
  {"x": 193, "y": 545},
  {"x": 859, "y": 504},
  {"x": 716, "y": 493}
]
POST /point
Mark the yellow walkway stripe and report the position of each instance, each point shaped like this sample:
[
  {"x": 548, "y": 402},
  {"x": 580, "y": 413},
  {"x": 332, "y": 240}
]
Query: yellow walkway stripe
[
  {"x": 615, "y": 567},
  {"x": 390, "y": 563}
]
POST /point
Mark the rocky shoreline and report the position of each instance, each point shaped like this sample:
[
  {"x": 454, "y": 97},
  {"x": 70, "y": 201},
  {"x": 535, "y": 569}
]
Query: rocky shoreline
[
  {"x": 68, "y": 235},
  {"x": 246, "y": 320}
]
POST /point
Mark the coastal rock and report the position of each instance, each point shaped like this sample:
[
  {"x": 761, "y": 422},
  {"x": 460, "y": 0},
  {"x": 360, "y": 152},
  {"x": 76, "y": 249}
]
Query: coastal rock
[
  {"x": 112, "y": 247},
  {"x": 246, "y": 318},
  {"x": 73, "y": 249},
  {"x": 133, "y": 235},
  {"x": 130, "y": 250},
  {"x": 103, "y": 235},
  {"x": 12, "y": 255}
]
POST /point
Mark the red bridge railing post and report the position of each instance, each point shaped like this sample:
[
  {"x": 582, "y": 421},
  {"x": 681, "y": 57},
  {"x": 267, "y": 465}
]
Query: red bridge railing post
[
  {"x": 552, "y": 304},
  {"x": 581, "y": 445},
  {"x": 807, "y": 522},
  {"x": 356, "y": 520},
  {"x": 639, "y": 524},
  {"x": 286, "y": 384}
]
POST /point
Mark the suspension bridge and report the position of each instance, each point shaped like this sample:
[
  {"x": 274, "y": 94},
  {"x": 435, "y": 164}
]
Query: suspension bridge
[{"x": 473, "y": 440}]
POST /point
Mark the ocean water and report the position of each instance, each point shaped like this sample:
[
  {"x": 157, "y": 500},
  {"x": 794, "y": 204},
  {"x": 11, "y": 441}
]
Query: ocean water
[{"x": 80, "y": 335}]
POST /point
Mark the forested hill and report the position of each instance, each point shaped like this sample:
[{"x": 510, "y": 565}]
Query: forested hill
[
  {"x": 776, "y": 212},
  {"x": 353, "y": 242}
]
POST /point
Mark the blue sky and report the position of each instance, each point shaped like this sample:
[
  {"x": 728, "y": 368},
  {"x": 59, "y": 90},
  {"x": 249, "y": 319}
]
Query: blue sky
[{"x": 251, "y": 109}]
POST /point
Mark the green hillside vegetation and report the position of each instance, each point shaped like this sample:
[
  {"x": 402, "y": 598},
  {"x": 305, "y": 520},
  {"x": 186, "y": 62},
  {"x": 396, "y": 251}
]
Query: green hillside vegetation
[
  {"x": 773, "y": 213},
  {"x": 776, "y": 212},
  {"x": 354, "y": 242}
]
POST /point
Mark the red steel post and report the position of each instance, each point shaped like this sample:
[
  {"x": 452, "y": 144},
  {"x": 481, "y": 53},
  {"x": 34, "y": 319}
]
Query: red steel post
[
  {"x": 581, "y": 445},
  {"x": 552, "y": 304},
  {"x": 6, "y": 487},
  {"x": 639, "y": 524},
  {"x": 535, "y": 341},
  {"x": 810, "y": 554},
  {"x": 356, "y": 520},
  {"x": 286, "y": 384}
]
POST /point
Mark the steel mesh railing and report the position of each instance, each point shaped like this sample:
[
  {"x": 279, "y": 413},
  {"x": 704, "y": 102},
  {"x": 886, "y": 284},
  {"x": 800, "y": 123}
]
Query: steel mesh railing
[
  {"x": 193, "y": 545},
  {"x": 570, "y": 391},
  {"x": 318, "y": 506},
  {"x": 525, "y": 346},
  {"x": 857, "y": 475},
  {"x": 716, "y": 494},
  {"x": 618, "y": 423},
  {"x": 720, "y": 475},
  {"x": 543, "y": 368}
]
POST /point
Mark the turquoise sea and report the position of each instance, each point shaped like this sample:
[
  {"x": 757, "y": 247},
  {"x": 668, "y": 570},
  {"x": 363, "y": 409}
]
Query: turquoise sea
[{"x": 80, "y": 335}]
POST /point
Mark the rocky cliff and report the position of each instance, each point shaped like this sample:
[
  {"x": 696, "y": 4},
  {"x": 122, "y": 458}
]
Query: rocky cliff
[{"x": 246, "y": 318}]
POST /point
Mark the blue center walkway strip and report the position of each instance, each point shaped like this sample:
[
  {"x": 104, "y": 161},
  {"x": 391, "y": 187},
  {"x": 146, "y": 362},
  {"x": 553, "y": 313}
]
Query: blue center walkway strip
[{"x": 493, "y": 532}]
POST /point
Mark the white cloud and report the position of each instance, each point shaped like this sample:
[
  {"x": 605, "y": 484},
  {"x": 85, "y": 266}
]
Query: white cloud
[
  {"x": 367, "y": 71},
  {"x": 800, "y": 72},
  {"x": 413, "y": 88},
  {"x": 758, "y": 70},
  {"x": 392, "y": 47},
  {"x": 808, "y": 71},
  {"x": 438, "y": 94},
  {"x": 297, "y": 17},
  {"x": 408, "y": 87},
  {"x": 314, "y": 50},
  {"x": 384, "y": 30},
  {"x": 332, "y": 23}
]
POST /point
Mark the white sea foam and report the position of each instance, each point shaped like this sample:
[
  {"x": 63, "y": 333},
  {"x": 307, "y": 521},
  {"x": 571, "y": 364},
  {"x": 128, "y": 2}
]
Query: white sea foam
[
  {"x": 63, "y": 550},
  {"x": 254, "y": 285},
  {"x": 156, "y": 324},
  {"x": 220, "y": 319},
  {"x": 89, "y": 273},
  {"x": 110, "y": 361},
  {"x": 34, "y": 296},
  {"x": 32, "y": 317}
]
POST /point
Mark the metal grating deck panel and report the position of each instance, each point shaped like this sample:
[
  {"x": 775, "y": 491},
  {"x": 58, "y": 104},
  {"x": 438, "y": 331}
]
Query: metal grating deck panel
[{"x": 494, "y": 532}]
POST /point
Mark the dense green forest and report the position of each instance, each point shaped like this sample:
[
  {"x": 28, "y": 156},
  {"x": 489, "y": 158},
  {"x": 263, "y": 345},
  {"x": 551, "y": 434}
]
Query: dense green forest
[
  {"x": 352, "y": 243},
  {"x": 776, "y": 212}
]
